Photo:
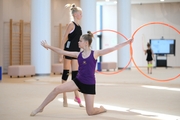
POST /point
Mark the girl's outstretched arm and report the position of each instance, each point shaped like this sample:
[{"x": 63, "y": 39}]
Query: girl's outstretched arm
[
  {"x": 58, "y": 50},
  {"x": 111, "y": 49}
]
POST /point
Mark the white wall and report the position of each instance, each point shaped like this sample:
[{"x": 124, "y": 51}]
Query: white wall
[
  {"x": 142, "y": 14},
  {"x": 109, "y": 39},
  {"x": 167, "y": 13}
]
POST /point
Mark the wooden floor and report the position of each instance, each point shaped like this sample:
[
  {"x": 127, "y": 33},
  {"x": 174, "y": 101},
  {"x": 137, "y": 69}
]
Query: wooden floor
[{"x": 128, "y": 95}]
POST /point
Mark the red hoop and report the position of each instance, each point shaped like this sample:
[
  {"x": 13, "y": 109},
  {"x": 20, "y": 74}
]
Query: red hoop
[
  {"x": 163, "y": 80},
  {"x": 131, "y": 51}
]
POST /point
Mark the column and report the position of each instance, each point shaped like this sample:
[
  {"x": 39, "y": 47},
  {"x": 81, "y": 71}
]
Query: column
[
  {"x": 88, "y": 22},
  {"x": 124, "y": 27},
  {"x": 1, "y": 38},
  {"x": 40, "y": 30}
]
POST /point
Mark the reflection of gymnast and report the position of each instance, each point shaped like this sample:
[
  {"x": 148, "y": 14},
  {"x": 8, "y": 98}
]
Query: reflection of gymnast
[
  {"x": 70, "y": 42},
  {"x": 149, "y": 58},
  {"x": 85, "y": 80}
]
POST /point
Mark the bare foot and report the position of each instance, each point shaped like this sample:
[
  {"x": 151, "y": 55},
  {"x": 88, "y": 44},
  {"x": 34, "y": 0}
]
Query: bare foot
[
  {"x": 65, "y": 104},
  {"x": 103, "y": 109},
  {"x": 33, "y": 113},
  {"x": 80, "y": 105},
  {"x": 78, "y": 101}
]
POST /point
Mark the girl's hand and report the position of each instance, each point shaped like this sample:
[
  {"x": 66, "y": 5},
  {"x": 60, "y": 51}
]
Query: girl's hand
[{"x": 44, "y": 44}]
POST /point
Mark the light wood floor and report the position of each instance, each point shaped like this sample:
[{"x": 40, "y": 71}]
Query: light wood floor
[{"x": 128, "y": 95}]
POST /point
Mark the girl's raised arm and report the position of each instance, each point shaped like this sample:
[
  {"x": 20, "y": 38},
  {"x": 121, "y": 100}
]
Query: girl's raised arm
[
  {"x": 111, "y": 49},
  {"x": 58, "y": 50}
]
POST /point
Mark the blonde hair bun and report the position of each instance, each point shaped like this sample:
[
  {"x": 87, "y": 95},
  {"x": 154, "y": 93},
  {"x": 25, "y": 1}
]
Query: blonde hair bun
[{"x": 89, "y": 33}]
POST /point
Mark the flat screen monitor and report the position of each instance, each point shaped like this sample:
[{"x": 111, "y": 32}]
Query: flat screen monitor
[{"x": 163, "y": 46}]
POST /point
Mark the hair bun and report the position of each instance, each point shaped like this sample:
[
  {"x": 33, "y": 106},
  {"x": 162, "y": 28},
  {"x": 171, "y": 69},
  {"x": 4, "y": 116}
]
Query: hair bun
[
  {"x": 73, "y": 5},
  {"x": 73, "y": 8},
  {"x": 89, "y": 33},
  {"x": 70, "y": 5}
]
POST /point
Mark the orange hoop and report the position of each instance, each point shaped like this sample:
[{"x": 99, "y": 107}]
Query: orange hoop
[
  {"x": 131, "y": 51},
  {"x": 150, "y": 23}
]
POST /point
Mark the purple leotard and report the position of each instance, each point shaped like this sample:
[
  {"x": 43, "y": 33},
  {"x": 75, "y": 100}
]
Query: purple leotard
[{"x": 86, "y": 72}]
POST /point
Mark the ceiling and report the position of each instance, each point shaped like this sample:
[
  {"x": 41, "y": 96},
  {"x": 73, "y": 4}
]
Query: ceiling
[{"x": 140, "y": 1}]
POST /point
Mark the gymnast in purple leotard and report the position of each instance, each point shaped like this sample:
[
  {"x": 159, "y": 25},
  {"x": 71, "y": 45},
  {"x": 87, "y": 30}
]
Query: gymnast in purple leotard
[{"x": 85, "y": 80}]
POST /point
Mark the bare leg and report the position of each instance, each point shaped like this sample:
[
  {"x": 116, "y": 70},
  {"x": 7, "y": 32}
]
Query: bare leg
[
  {"x": 77, "y": 98},
  {"x": 150, "y": 67},
  {"x": 66, "y": 66},
  {"x": 66, "y": 87},
  {"x": 65, "y": 104},
  {"x": 90, "y": 109}
]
